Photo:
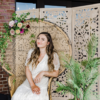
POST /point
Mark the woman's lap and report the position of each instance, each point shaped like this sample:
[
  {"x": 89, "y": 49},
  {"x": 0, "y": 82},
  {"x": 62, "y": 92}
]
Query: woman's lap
[{"x": 25, "y": 93}]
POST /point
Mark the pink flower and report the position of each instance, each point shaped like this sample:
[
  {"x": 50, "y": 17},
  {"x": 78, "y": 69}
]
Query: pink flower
[
  {"x": 11, "y": 23},
  {"x": 12, "y": 32},
  {"x": 21, "y": 31}
]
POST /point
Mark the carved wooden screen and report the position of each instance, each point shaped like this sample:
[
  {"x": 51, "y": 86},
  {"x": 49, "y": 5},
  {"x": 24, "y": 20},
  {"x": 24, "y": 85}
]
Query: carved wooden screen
[{"x": 85, "y": 21}]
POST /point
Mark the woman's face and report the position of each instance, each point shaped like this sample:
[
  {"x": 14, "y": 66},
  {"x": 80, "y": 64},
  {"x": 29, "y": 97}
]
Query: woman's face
[{"x": 41, "y": 41}]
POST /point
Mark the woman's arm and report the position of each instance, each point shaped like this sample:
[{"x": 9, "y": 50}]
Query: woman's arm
[
  {"x": 54, "y": 73},
  {"x": 29, "y": 76},
  {"x": 46, "y": 73},
  {"x": 35, "y": 89},
  {"x": 56, "y": 63}
]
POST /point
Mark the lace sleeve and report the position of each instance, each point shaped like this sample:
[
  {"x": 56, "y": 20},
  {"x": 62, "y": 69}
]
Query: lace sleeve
[
  {"x": 56, "y": 61},
  {"x": 28, "y": 56}
]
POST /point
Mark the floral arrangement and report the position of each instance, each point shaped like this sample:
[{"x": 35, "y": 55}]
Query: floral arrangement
[{"x": 16, "y": 26}]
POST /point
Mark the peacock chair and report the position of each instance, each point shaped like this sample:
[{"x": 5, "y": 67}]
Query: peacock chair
[{"x": 22, "y": 43}]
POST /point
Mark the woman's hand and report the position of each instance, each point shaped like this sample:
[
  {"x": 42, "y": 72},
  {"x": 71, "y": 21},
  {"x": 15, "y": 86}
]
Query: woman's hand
[
  {"x": 35, "y": 89},
  {"x": 38, "y": 77}
]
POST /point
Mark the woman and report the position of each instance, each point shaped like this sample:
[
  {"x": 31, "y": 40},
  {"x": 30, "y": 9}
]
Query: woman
[{"x": 42, "y": 62}]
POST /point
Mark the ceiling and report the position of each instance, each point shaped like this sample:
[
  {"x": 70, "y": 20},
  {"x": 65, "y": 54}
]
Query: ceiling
[{"x": 67, "y": 3}]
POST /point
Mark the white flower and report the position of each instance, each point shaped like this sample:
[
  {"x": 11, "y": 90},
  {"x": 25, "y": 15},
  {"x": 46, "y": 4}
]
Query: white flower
[
  {"x": 17, "y": 31},
  {"x": 11, "y": 23},
  {"x": 19, "y": 25}
]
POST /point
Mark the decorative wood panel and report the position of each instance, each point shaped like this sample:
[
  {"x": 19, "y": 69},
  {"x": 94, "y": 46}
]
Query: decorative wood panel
[{"x": 85, "y": 21}]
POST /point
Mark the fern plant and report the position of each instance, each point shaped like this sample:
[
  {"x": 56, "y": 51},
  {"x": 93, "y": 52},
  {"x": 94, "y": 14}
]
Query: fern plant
[{"x": 82, "y": 75}]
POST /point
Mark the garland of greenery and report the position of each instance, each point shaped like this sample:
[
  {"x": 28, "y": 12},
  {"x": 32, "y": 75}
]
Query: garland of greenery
[{"x": 14, "y": 28}]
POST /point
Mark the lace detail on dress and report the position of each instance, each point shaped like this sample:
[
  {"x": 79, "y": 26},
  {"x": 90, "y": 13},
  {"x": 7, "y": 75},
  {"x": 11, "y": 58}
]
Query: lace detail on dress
[
  {"x": 28, "y": 56},
  {"x": 56, "y": 61}
]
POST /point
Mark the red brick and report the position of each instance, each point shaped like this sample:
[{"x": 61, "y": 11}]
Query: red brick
[
  {"x": 3, "y": 72},
  {"x": 4, "y": 20},
  {"x": 0, "y": 89},
  {"x": 8, "y": 17},
  {"x": 1, "y": 75},
  {"x": 0, "y": 69},
  {"x": 0, "y": 82},
  {"x": 4, "y": 3},
  {"x": 3, "y": 79},
  {"x": 1, "y": 17},
  {"x": 4, "y": 92},
  {"x": 4, "y": 7},
  {"x": 1, "y": 85},
  {"x": 5, "y": 14},
  {"x": 3, "y": 31},
  {"x": 7, "y": 75},
  {"x": 5, "y": 82},
  {"x": 12, "y": 7},
  {"x": 6, "y": 0},
  {"x": 2, "y": 10},
  {"x": 11, "y": 4},
  {"x": 6, "y": 88},
  {"x": 1, "y": 24},
  {"x": 2, "y": 28},
  {"x": 12, "y": 0},
  {"x": 5, "y": 85}
]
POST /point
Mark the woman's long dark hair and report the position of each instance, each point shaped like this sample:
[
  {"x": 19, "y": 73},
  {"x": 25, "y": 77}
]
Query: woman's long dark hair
[{"x": 49, "y": 50}]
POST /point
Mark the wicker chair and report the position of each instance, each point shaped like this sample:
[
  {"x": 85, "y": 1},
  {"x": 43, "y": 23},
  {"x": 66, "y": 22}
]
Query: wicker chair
[{"x": 22, "y": 45}]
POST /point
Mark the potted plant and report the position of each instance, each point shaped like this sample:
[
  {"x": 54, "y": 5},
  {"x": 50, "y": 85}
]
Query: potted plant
[{"x": 82, "y": 76}]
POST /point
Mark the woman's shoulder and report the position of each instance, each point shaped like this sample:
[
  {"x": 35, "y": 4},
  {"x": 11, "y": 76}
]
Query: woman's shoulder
[
  {"x": 31, "y": 50},
  {"x": 55, "y": 53}
]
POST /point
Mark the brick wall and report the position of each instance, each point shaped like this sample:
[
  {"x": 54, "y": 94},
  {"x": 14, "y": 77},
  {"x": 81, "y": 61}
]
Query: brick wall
[
  {"x": 4, "y": 88},
  {"x": 6, "y": 9}
]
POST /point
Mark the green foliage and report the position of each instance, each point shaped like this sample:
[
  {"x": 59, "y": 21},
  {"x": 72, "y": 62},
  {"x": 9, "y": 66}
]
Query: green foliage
[
  {"x": 3, "y": 46},
  {"x": 7, "y": 66},
  {"x": 32, "y": 41},
  {"x": 82, "y": 75},
  {"x": 91, "y": 50},
  {"x": 14, "y": 81},
  {"x": 32, "y": 36}
]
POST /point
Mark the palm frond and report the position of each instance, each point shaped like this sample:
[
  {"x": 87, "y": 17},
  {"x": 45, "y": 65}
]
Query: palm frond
[
  {"x": 64, "y": 88},
  {"x": 91, "y": 46}
]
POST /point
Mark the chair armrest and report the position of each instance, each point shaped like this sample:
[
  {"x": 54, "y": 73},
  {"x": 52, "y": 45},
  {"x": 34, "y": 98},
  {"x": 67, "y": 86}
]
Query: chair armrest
[
  {"x": 11, "y": 84},
  {"x": 10, "y": 81}
]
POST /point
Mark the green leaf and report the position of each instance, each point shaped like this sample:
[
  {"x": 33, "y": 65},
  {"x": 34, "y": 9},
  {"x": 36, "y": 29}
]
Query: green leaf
[
  {"x": 7, "y": 67},
  {"x": 14, "y": 81},
  {"x": 37, "y": 20},
  {"x": 32, "y": 36}
]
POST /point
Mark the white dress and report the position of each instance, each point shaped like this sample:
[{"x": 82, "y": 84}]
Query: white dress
[{"x": 24, "y": 92}]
